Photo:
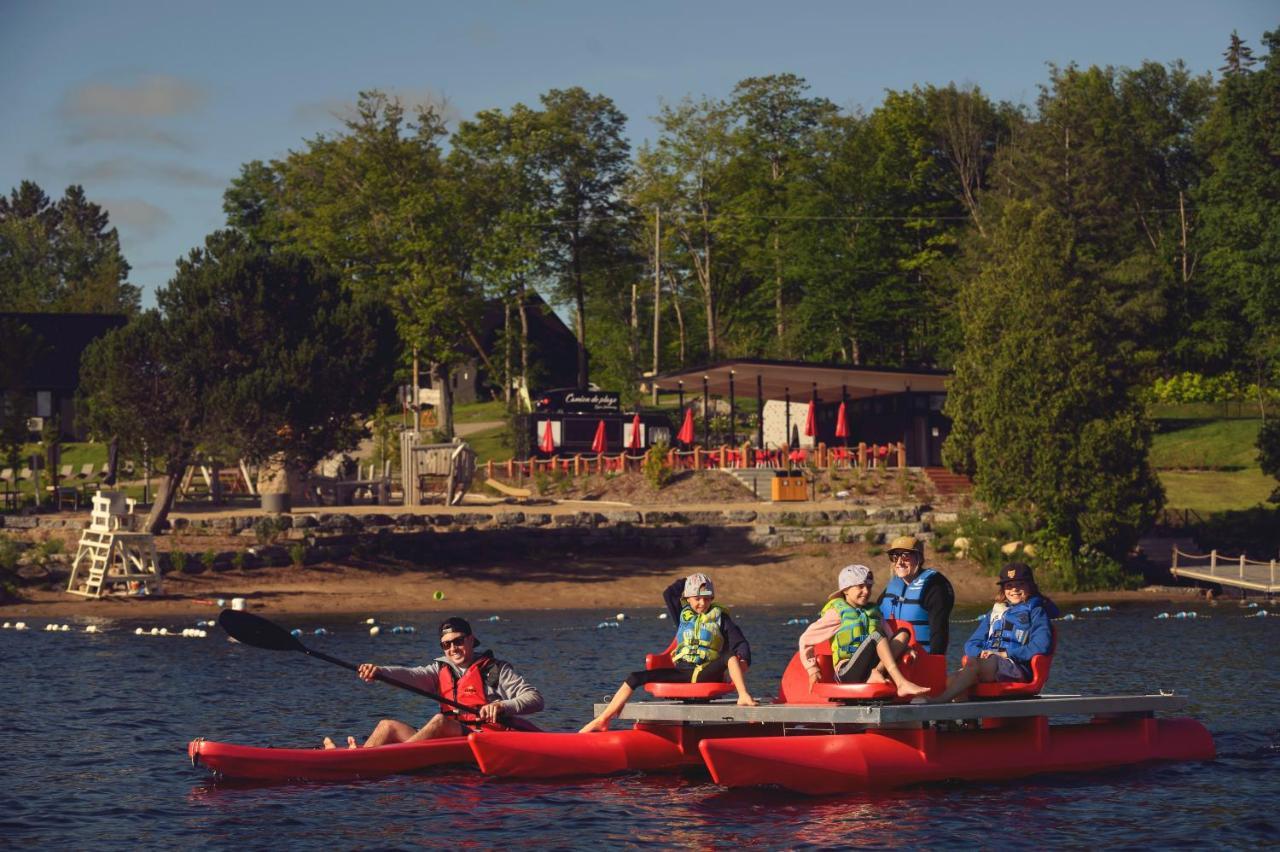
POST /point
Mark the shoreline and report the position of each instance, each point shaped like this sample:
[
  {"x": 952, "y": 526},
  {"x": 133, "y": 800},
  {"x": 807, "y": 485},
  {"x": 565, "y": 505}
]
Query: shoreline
[{"x": 795, "y": 576}]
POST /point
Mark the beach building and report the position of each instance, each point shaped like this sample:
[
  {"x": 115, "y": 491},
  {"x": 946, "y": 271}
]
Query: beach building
[{"x": 882, "y": 405}]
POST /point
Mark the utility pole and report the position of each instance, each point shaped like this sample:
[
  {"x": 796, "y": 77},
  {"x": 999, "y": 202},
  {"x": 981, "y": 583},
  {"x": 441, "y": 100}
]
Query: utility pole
[
  {"x": 657, "y": 292},
  {"x": 413, "y": 403}
]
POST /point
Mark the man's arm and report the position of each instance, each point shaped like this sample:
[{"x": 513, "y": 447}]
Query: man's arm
[
  {"x": 736, "y": 642},
  {"x": 518, "y": 696},
  {"x": 938, "y": 600},
  {"x": 424, "y": 677}
]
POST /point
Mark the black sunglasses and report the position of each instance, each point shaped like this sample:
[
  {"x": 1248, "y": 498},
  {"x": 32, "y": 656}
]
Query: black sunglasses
[{"x": 446, "y": 644}]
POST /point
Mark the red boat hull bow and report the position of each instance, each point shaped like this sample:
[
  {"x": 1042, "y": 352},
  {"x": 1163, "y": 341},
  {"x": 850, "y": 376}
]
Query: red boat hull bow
[{"x": 883, "y": 759}]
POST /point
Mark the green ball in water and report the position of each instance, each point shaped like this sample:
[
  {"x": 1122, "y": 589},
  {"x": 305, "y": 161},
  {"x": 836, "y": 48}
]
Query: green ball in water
[{"x": 439, "y": 595}]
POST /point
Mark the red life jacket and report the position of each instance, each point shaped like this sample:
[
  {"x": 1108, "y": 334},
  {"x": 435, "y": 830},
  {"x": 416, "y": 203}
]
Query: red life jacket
[{"x": 470, "y": 689}]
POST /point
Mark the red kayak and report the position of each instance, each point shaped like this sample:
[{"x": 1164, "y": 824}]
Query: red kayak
[
  {"x": 644, "y": 748},
  {"x": 883, "y": 759},
  {"x": 321, "y": 764}
]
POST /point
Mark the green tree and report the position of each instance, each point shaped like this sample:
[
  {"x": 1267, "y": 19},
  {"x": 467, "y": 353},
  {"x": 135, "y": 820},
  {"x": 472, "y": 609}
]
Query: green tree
[
  {"x": 1045, "y": 416},
  {"x": 252, "y": 352},
  {"x": 1240, "y": 218},
  {"x": 21, "y": 348},
  {"x": 61, "y": 257},
  {"x": 583, "y": 158}
]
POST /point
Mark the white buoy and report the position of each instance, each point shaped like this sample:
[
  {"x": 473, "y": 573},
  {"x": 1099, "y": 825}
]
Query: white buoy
[
  {"x": 662, "y": 615},
  {"x": 138, "y": 632},
  {"x": 371, "y": 621},
  {"x": 237, "y": 604},
  {"x": 21, "y": 625},
  {"x": 374, "y": 630},
  {"x": 5, "y": 625},
  {"x": 622, "y": 616},
  {"x": 92, "y": 628}
]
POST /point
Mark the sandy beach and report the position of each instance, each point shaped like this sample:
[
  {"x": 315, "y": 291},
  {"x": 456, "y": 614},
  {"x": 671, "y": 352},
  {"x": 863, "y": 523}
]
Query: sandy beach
[{"x": 800, "y": 576}]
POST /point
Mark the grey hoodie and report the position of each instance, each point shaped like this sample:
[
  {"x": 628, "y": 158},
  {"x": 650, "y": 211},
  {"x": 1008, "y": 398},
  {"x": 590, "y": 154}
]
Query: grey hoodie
[{"x": 518, "y": 696}]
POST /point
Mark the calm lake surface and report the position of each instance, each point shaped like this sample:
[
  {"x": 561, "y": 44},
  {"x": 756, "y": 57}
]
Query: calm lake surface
[{"x": 96, "y": 727}]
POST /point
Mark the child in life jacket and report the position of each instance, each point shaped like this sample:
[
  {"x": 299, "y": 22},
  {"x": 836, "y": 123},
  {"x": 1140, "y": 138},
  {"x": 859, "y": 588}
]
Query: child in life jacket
[
  {"x": 708, "y": 644},
  {"x": 1017, "y": 629},
  {"x": 852, "y": 627}
]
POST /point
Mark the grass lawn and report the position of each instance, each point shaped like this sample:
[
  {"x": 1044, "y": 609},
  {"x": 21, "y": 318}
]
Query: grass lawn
[
  {"x": 489, "y": 445},
  {"x": 480, "y": 411},
  {"x": 1206, "y": 445},
  {"x": 1215, "y": 491}
]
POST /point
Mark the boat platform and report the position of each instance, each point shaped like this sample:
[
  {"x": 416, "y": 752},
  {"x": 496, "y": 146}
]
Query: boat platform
[{"x": 725, "y": 711}]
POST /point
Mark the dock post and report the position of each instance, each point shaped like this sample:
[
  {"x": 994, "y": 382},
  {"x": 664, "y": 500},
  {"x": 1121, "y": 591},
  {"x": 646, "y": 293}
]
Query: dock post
[
  {"x": 1213, "y": 562},
  {"x": 1273, "y": 574},
  {"x": 1241, "y": 566}
]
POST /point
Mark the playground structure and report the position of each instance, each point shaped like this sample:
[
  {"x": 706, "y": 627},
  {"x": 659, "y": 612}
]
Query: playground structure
[{"x": 430, "y": 470}]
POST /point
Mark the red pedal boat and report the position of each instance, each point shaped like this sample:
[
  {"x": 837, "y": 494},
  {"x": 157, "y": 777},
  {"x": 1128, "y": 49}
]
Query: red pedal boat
[{"x": 320, "y": 764}]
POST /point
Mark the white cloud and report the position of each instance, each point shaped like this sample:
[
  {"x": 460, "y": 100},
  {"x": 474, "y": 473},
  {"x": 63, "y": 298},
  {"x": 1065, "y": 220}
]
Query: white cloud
[
  {"x": 140, "y": 219},
  {"x": 132, "y": 168},
  {"x": 151, "y": 96}
]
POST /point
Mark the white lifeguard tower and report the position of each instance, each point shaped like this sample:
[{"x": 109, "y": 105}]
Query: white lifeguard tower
[{"x": 108, "y": 558}]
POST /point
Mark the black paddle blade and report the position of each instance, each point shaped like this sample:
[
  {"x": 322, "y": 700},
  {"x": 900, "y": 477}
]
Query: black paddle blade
[{"x": 257, "y": 631}]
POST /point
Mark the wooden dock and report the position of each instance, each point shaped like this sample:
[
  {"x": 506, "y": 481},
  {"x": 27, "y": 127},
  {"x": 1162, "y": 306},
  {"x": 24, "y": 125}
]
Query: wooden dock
[{"x": 1238, "y": 571}]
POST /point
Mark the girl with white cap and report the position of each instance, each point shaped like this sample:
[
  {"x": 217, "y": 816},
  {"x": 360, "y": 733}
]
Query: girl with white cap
[
  {"x": 708, "y": 645},
  {"x": 852, "y": 627}
]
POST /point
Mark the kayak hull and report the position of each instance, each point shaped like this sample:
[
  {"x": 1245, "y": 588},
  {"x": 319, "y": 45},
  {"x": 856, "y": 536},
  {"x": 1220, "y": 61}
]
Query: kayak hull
[
  {"x": 318, "y": 764},
  {"x": 883, "y": 759},
  {"x": 644, "y": 748}
]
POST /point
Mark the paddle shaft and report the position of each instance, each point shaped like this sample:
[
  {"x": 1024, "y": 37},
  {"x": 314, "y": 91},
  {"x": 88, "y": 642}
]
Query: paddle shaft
[{"x": 320, "y": 655}]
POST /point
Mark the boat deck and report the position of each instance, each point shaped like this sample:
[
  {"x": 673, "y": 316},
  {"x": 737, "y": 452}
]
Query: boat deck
[{"x": 725, "y": 711}]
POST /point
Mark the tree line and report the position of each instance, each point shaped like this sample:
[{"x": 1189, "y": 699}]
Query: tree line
[{"x": 1059, "y": 257}]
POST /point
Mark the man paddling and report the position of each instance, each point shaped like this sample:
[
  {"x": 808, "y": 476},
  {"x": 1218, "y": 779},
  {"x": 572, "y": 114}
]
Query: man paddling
[
  {"x": 481, "y": 681},
  {"x": 921, "y": 596}
]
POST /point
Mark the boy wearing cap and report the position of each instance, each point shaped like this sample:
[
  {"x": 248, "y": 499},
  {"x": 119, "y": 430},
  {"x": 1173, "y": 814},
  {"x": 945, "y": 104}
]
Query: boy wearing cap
[
  {"x": 491, "y": 686},
  {"x": 921, "y": 596},
  {"x": 853, "y": 629},
  {"x": 708, "y": 645},
  {"x": 1016, "y": 629}
]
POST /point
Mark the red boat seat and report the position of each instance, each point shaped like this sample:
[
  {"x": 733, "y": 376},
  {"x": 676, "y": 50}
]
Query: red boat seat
[
  {"x": 682, "y": 691},
  {"x": 923, "y": 668},
  {"x": 1040, "y": 665}
]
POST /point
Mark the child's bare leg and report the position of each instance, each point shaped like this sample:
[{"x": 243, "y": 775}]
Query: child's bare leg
[
  {"x": 884, "y": 650},
  {"x": 738, "y": 674},
  {"x": 388, "y": 731},
  {"x": 963, "y": 680},
  {"x": 601, "y": 722}
]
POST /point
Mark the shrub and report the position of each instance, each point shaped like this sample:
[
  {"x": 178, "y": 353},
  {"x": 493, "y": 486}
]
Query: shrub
[
  {"x": 9, "y": 551},
  {"x": 268, "y": 530},
  {"x": 237, "y": 560},
  {"x": 209, "y": 557},
  {"x": 178, "y": 559},
  {"x": 655, "y": 469},
  {"x": 298, "y": 554}
]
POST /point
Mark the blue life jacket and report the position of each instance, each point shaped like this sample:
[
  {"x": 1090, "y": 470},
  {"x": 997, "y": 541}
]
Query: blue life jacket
[
  {"x": 902, "y": 603},
  {"x": 1011, "y": 627}
]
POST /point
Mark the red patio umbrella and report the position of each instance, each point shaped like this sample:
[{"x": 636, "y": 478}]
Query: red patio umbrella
[
  {"x": 685, "y": 435},
  {"x": 809, "y": 425},
  {"x": 598, "y": 443},
  {"x": 634, "y": 443},
  {"x": 548, "y": 444},
  {"x": 842, "y": 423}
]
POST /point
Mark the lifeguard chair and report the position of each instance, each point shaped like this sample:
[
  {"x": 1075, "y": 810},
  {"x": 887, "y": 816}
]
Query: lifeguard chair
[{"x": 108, "y": 558}]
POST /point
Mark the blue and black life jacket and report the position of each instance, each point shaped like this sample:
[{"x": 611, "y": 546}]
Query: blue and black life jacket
[{"x": 902, "y": 603}]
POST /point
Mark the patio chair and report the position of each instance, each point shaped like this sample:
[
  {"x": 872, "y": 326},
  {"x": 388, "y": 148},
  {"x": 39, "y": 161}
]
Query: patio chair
[{"x": 86, "y": 472}]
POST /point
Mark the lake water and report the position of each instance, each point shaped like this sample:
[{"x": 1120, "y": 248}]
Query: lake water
[{"x": 96, "y": 727}]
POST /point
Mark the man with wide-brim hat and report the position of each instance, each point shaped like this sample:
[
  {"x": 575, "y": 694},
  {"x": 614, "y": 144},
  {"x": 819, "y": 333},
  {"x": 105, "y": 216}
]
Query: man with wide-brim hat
[
  {"x": 492, "y": 687},
  {"x": 920, "y": 596}
]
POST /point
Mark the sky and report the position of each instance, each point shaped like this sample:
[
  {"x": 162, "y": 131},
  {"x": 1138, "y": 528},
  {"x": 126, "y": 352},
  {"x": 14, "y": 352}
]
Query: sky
[{"x": 154, "y": 105}]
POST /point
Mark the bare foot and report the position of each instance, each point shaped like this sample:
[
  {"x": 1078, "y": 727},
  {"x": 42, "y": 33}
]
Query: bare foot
[
  {"x": 328, "y": 743},
  {"x": 909, "y": 689},
  {"x": 351, "y": 742},
  {"x": 747, "y": 701},
  {"x": 599, "y": 723}
]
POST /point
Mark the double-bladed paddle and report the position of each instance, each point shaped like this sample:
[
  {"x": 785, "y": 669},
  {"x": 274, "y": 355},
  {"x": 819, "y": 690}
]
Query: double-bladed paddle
[{"x": 260, "y": 633}]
